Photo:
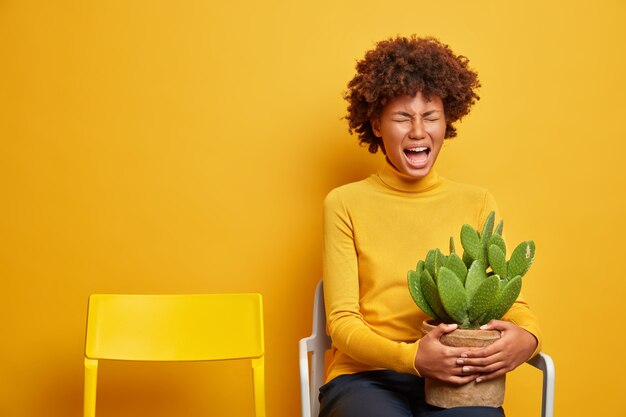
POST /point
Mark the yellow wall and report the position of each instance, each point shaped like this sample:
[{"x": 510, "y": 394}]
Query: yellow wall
[{"x": 164, "y": 146}]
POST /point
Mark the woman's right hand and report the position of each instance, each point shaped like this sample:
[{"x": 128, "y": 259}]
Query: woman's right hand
[{"x": 435, "y": 360}]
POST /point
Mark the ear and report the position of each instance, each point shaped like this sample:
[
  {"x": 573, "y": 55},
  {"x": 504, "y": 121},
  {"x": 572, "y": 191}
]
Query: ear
[{"x": 376, "y": 127}]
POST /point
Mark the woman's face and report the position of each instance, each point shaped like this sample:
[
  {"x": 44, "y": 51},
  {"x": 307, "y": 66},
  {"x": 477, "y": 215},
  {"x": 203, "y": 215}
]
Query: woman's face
[{"x": 412, "y": 130}]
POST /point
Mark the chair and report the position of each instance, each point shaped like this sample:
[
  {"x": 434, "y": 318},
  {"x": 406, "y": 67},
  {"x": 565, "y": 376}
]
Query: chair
[
  {"x": 201, "y": 327},
  {"x": 319, "y": 342}
]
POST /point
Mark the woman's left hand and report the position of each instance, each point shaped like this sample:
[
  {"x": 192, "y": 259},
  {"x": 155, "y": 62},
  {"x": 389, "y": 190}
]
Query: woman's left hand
[{"x": 512, "y": 349}]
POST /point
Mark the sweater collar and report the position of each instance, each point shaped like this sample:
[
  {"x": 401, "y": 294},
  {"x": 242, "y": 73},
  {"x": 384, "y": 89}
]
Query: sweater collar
[{"x": 392, "y": 178}]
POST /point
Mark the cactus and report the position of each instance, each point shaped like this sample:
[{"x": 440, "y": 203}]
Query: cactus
[{"x": 477, "y": 287}]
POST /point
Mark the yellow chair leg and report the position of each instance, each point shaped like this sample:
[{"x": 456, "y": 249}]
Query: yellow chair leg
[
  {"x": 258, "y": 375},
  {"x": 91, "y": 380}
]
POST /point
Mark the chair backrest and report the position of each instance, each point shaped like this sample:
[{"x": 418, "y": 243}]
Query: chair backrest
[
  {"x": 198, "y": 327},
  {"x": 319, "y": 342}
]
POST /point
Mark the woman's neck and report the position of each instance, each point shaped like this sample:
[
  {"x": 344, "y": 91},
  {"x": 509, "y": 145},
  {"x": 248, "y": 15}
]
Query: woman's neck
[{"x": 396, "y": 180}]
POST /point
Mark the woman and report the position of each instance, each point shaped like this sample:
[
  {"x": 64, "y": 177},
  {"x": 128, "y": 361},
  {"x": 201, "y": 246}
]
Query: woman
[{"x": 404, "y": 100}]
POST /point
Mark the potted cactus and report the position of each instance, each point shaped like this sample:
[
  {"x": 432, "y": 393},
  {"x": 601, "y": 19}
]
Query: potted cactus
[{"x": 470, "y": 290}]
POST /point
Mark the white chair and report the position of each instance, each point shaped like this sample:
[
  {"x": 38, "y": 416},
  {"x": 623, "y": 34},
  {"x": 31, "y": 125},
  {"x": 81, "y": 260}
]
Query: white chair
[{"x": 312, "y": 371}]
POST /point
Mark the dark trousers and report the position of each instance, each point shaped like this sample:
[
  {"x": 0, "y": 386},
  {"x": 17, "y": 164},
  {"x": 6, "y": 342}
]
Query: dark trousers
[{"x": 387, "y": 394}]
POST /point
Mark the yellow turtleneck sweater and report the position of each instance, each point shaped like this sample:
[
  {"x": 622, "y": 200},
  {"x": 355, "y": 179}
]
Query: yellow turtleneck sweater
[{"x": 375, "y": 231}]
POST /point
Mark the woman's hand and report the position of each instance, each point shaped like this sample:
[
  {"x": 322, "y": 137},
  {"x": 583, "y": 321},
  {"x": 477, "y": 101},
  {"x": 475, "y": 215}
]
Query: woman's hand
[
  {"x": 435, "y": 360},
  {"x": 512, "y": 349}
]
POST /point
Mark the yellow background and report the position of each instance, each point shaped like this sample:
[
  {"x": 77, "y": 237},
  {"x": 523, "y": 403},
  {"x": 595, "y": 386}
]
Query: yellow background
[{"x": 162, "y": 146}]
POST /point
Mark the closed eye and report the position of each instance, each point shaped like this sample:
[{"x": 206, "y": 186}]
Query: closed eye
[{"x": 431, "y": 116}]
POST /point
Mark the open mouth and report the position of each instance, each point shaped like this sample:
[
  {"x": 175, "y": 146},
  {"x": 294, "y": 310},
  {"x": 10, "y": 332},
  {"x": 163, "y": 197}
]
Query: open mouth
[{"x": 418, "y": 156}]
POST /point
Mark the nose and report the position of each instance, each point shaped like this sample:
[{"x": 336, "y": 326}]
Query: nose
[{"x": 417, "y": 129}]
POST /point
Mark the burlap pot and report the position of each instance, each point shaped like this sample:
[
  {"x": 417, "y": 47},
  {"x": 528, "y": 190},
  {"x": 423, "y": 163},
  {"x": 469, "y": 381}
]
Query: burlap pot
[{"x": 488, "y": 393}]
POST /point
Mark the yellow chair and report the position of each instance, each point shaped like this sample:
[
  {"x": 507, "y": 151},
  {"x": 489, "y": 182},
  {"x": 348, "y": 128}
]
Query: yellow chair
[{"x": 201, "y": 327}]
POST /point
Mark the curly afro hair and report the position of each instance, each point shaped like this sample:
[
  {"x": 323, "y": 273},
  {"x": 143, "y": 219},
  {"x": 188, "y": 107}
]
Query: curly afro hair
[{"x": 405, "y": 66}]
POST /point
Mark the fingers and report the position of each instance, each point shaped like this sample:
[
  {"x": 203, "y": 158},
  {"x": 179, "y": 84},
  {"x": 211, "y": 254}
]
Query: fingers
[
  {"x": 476, "y": 362},
  {"x": 442, "y": 329},
  {"x": 497, "y": 325},
  {"x": 490, "y": 376},
  {"x": 488, "y": 369},
  {"x": 481, "y": 356},
  {"x": 486, "y": 373},
  {"x": 494, "y": 348},
  {"x": 461, "y": 380},
  {"x": 485, "y": 352}
]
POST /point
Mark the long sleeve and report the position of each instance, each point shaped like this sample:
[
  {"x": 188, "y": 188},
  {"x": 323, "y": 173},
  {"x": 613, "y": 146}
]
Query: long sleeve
[{"x": 348, "y": 329}]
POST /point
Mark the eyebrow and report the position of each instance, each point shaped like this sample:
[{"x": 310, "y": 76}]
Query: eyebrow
[
  {"x": 402, "y": 113},
  {"x": 425, "y": 114}
]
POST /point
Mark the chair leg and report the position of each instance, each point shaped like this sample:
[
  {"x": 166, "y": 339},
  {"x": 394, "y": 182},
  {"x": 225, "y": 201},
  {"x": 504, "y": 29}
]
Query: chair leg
[
  {"x": 545, "y": 364},
  {"x": 258, "y": 376},
  {"x": 91, "y": 381}
]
